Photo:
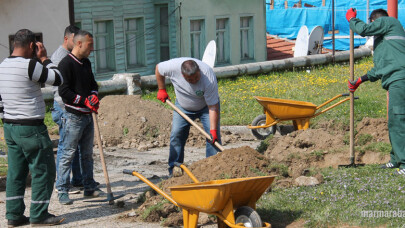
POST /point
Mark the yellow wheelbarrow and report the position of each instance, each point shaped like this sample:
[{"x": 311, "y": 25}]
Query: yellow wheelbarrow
[
  {"x": 278, "y": 110},
  {"x": 233, "y": 201}
]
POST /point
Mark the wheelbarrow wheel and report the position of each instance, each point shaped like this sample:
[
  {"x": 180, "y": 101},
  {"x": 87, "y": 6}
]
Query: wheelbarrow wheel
[
  {"x": 262, "y": 133},
  {"x": 248, "y": 217}
]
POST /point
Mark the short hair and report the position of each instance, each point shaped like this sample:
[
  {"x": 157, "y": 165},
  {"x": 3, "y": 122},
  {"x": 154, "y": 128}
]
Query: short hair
[
  {"x": 377, "y": 14},
  {"x": 189, "y": 67},
  {"x": 71, "y": 29},
  {"x": 24, "y": 37},
  {"x": 80, "y": 34}
]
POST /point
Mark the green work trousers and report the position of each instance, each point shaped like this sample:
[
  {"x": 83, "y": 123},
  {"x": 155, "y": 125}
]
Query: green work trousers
[
  {"x": 29, "y": 149},
  {"x": 396, "y": 122}
]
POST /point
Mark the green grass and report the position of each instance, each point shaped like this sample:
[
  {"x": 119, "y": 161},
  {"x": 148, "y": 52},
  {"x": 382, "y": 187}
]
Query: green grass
[
  {"x": 339, "y": 201},
  {"x": 238, "y": 106},
  {"x": 3, "y": 167}
]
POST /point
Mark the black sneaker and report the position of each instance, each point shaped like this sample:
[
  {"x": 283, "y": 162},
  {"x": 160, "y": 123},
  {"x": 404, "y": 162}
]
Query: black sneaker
[
  {"x": 92, "y": 194},
  {"x": 389, "y": 165},
  {"x": 19, "y": 222},
  {"x": 50, "y": 221}
]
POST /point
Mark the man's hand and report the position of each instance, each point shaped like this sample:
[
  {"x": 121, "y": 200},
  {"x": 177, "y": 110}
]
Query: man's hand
[
  {"x": 351, "y": 13},
  {"x": 214, "y": 136},
  {"x": 354, "y": 84},
  {"x": 40, "y": 53},
  {"x": 93, "y": 99},
  {"x": 93, "y": 107},
  {"x": 162, "y": 95}
]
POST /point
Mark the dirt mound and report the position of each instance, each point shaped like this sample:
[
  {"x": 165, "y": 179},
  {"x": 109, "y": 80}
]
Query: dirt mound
[
  {"x": 127, "y": 121},
  {"x": 231, "y": 163},
  {"x": 377, "y": 128},
  {"x": 302, "y": 151}
]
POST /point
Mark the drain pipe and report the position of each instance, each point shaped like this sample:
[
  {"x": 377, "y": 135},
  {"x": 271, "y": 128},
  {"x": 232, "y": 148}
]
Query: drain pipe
[
  {"x": 269, "y": 66},
  {"x": 124, "y": 83}
]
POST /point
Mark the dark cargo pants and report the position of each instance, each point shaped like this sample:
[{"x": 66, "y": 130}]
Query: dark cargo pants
[{"x": 29, "y": 149}]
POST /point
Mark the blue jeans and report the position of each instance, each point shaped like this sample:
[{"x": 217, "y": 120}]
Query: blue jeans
[
  {"x": 57, "y": 117},
  {"x": 79, "y": 133},
  {"x": 180, "y": 131}
]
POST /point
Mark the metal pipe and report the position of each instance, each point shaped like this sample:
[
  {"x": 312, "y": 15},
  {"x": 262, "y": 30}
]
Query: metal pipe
[{"x": 392, "y": 8}]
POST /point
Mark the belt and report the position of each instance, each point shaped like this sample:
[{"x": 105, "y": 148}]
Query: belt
[{"x": 34, "y": 122}]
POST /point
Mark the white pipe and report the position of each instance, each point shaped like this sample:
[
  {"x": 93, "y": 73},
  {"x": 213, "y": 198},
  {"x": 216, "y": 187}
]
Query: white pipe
[
  {"x": 126, "y": 83},
  {"x": 269, "y": 66}
]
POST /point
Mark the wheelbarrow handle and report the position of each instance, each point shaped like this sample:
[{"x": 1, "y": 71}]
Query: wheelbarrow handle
[
  {"x": 152, "y": 185},
  {"x": 348, "y": 94},
  {"x": 189, "y": 173},
  {"x": 127, "y": 171}
]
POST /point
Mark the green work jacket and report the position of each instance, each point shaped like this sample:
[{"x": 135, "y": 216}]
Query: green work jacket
[{"x": 389, "y": 48}]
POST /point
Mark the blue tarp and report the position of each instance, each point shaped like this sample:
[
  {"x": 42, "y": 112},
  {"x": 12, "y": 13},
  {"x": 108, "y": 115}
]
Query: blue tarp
[{"x": 287, "y": 22}]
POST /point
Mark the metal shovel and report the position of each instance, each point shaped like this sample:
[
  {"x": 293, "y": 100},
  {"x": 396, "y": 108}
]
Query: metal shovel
[{"x": 110, "y": 197}]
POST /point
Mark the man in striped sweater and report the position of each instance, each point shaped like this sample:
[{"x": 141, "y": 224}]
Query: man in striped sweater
[
  {"x": 28, "y": 142},
  {"x": 79, "y": 93}
]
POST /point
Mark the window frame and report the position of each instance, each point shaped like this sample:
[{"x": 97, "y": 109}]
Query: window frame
[
  {"x": 201, "y": 42},
  {"x": 140, "y": 47},
  {"x": 250, "y": 37},
  {"x": 227, "y": 40},
  {"x": 110, "y": 45}
]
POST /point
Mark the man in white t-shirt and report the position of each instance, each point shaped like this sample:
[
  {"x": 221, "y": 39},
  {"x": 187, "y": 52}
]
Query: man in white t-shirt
[{"x": 196, "y": 89}]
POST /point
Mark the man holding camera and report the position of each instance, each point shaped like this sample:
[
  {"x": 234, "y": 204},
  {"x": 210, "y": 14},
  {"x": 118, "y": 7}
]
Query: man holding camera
[{"x": 28, "y": 142}]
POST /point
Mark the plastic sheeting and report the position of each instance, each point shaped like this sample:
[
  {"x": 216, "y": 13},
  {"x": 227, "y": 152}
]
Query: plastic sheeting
[{"x": 287, "y": 22}]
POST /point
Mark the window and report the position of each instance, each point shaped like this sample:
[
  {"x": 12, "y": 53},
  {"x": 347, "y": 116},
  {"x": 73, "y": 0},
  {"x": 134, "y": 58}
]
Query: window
[
  {"x": 162, "y": 32},
  {"x": 78, "y": 24},
  {"x": 38, "y": 37},
  {"x": 105, "y": 49},
  {"x": 197, "y": 38},
  {"x": 222, "y": 40},
  {"x": 246, "y": 38},
  {"x": 135, "y": 42}
]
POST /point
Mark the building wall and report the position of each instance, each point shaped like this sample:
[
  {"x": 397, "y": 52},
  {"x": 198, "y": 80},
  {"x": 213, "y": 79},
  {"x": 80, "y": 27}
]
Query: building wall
[
  {"x": 210, "y": 10},
  {"x": 49, "y": 17},
  {"x": 89, "y": 11}
]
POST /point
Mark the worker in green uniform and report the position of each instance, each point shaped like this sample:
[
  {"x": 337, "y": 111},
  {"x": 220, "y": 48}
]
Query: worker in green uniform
[
  {"x": 389, "y": 66},
  {"x": 28, "y": 142}
]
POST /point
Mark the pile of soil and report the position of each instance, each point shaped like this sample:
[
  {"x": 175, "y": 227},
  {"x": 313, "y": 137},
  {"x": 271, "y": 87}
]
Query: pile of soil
[
  {"x": 127, "y": 121},
  {"x": 320, "y": 148}
]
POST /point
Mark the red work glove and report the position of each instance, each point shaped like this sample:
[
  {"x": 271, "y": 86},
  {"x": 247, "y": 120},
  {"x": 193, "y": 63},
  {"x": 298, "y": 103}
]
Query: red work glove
[
  {"x": 162, "y": 95},
  {"x": 354, "y": 84},
  {"x": 214, "y": 136},
  {"x": 88, "y": 104},
  {"x": 93, "y": 99},
  {"x": 351, "y": 13}
]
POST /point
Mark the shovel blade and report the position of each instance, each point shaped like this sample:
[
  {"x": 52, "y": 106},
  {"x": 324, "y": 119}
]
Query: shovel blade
[{"x": 110, "y": 199}]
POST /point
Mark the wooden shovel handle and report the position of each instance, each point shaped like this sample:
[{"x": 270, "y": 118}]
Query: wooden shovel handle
[
  {"x": 219, "y": 146},
  {"x": 352, "y": 98},
  {"x": 100, "y": 147}
]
